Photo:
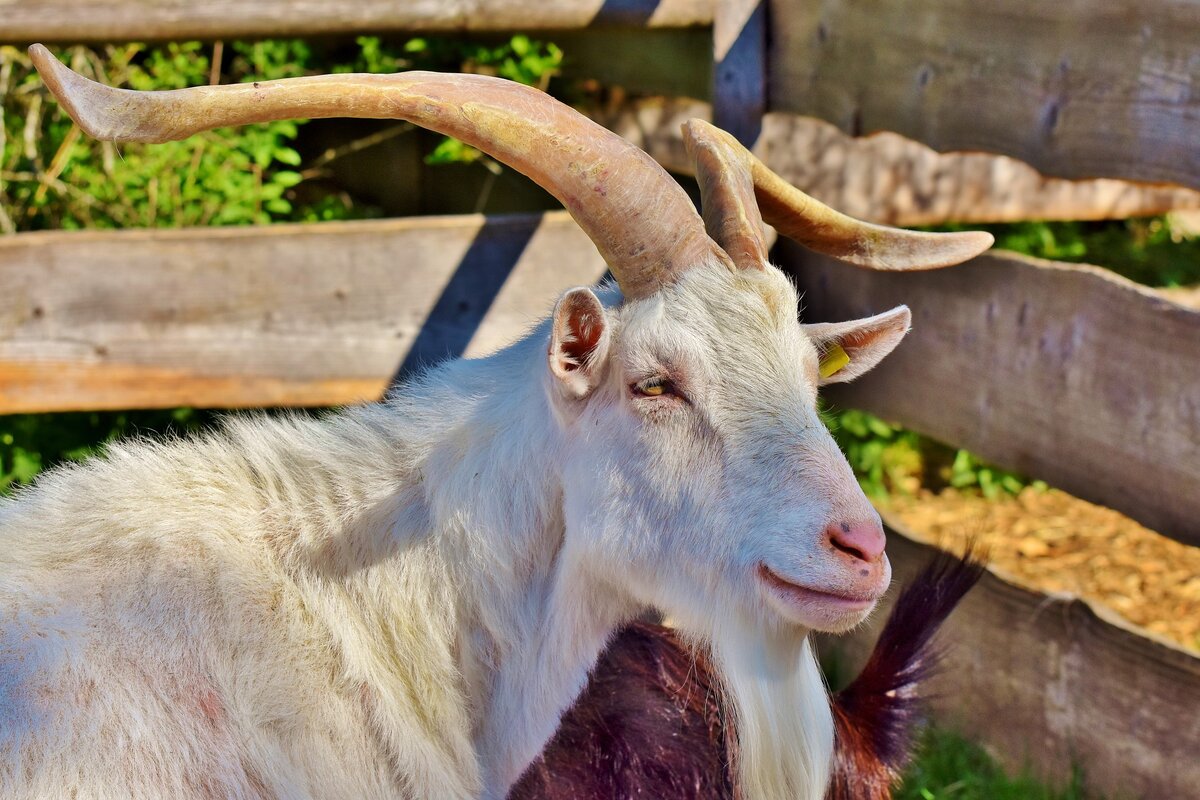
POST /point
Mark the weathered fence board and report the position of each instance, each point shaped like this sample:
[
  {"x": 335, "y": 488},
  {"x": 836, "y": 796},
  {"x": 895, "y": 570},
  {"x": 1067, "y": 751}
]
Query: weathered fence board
[
  {"x": 284, "y": 315},
  {"x": 1048, "y": 681},
  {"x": 1067, "y": 373},
  {"x": 137, "y": 20},
  {"x": 890, "y": 179},
  {"x": 1077, "y": 89}
]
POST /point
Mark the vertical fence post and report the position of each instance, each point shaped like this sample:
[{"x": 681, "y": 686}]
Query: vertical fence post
[{"x": 740, "y": 67}]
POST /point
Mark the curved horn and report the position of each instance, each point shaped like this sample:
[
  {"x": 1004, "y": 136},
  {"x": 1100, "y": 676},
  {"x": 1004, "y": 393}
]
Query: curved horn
[
  {"x": 731, "y": 214},
  {"x": 641, "y": 220},
  {"x": 730, "y": 168}
]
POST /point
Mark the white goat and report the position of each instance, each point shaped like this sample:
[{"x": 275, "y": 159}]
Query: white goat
[{"x": 400, "y": 600}]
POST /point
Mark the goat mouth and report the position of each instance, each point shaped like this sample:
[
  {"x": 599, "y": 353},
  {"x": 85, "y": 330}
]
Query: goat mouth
[{"x": 805, "y": 595}]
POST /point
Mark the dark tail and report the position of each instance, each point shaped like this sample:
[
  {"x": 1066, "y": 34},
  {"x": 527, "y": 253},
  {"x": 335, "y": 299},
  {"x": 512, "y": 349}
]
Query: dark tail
[
  {"x": 651, "y": 722},
  {"x": 876, "y": 715}
]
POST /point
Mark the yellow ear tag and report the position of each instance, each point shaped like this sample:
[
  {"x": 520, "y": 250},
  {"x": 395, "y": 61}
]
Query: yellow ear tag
[{"x": 834, "y": 359}]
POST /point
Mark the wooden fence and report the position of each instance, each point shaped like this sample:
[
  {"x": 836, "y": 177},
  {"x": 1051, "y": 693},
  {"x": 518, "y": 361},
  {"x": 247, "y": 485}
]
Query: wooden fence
[{"x": 1063, "y": 372}]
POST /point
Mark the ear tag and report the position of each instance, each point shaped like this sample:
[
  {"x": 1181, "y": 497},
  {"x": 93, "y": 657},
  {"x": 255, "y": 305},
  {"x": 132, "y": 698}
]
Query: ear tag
[{"x": 833, "y": 360}]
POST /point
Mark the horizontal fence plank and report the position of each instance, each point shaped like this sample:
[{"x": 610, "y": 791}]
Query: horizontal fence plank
[
  {"x": 1049, "y": 682},
  {"x": 283, "y": 315},
  {"x": 26, "y": 21},
  {"x": 1077, "y": 89},
  {"x": 1066, "y": 373},
  {"x": 893, "y": 180}
]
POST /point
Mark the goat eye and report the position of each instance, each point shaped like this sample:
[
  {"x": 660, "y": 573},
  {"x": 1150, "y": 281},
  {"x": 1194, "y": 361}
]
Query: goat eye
[{"x": 654, "y": 387}]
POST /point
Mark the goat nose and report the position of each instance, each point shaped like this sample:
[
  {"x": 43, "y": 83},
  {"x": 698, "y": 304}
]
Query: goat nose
[{"x": 863, "y": 540}]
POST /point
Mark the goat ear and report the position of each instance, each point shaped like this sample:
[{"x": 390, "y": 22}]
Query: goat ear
[
  {"x": 578, "y": 342},
  {"x": 848, "y": 349}
]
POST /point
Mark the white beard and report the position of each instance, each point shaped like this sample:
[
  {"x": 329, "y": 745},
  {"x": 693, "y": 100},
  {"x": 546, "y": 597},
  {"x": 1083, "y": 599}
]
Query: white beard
[{"x": 784, "y": 723}]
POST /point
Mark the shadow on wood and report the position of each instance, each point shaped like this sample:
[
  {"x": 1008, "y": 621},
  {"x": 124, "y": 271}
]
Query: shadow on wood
[{"x": 468, "y": 295}]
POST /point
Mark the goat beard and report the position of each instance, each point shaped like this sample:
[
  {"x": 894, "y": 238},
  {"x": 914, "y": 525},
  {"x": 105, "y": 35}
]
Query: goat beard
[{"x": 774, "y": 690}]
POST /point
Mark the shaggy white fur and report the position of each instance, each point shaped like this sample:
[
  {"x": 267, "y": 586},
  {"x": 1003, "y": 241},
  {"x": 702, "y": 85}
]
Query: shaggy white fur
[{"x": 400, "y": 600}]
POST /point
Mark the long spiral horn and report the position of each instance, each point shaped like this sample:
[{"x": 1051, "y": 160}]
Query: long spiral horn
[{"x": 639, "y": 218}]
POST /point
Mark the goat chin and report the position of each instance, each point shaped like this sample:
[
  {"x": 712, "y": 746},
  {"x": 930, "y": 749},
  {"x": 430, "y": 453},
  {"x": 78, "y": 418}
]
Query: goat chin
[{"x": 664, "y": 719}]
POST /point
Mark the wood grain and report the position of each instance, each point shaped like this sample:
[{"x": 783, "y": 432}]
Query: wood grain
[
  {"x": 284, "y": 315},
  {"x": 1048, "y": 682},
  {"x": 1077, "y": 89},
  {"x": 889, "y": 179},
  {"x": 1066, "y": 373},
  {"x": 24, "y": 21}
]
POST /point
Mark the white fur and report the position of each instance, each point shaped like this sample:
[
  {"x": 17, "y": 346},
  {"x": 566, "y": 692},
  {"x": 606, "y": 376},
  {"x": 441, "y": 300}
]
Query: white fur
[{"x": 400, "y": 600}]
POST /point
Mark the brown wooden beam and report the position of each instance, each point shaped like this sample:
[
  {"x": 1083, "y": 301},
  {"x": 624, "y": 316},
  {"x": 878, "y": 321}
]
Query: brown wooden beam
[
  {"x": 282, "y": 315},
  {"x": 26, "y": 21},
  {"x": 1076, "y": 89}
]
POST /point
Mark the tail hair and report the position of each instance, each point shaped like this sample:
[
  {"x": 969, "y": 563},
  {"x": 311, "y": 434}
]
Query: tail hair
[{"x": 875, "y": 717}]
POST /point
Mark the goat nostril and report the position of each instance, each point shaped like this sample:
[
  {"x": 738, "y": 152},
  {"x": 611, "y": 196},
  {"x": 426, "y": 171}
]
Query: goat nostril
[
  {"x": 862, "y": 540},
  {"x": 846, "y": 548}
]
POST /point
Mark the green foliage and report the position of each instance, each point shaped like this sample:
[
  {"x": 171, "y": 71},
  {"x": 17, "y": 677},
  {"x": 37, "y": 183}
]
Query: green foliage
[
  {"x": 519, "y": 59},
  {"x": 948, "y": 767},
  {"x": 1151, "y": 251},
  {"x": 30, "y": 443},
  {"x": 51, "y": 177},
  {"x": 54, "y": 178},
  {"x": 968, "y": 472},
  {"x": 887, "y": 458}
]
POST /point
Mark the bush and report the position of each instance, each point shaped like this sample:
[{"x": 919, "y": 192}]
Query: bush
[
  {"x": 1147, "y": 250},
  {"x": 53, "y": 178},
  {"x": 887, "y": 458}
]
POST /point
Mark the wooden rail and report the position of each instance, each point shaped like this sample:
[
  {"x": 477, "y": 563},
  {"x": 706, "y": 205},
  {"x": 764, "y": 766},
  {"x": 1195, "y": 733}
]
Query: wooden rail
[
  {"x": 1063, "y": 372},
  {"x": 1077, "y": 89},
  {"x": 1051, "y": 682},
  {"x": 887, "y": 178},
  {"x": 26, "y": 21},
  {"x": 284, "y": 315}
]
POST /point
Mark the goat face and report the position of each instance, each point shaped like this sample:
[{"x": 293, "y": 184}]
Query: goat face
[{"x": 701, "y": 476}]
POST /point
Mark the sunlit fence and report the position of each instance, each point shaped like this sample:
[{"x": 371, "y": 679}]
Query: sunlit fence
[{"x": 1065, "y": 373}]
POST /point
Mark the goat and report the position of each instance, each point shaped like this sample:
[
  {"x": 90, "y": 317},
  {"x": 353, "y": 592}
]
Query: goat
[
  {"x": 403, "y": 598},
  {"x": 651, "y": 722}
]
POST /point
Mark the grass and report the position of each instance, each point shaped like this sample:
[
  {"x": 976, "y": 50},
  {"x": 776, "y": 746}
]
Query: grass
[{"x": 949, "y": 767}]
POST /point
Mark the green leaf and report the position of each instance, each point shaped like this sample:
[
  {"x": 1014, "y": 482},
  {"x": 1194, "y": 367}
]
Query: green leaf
[
  {"x": 286, "y": 155},
  {"x": 286, "y": 178}
]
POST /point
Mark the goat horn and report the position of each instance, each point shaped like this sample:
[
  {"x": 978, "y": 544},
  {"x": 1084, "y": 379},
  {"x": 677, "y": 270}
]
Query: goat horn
[
  {"x": 726, "y": 170},
  {"x": 731, "y": 215},
  {"x": 639, "y": 218}
]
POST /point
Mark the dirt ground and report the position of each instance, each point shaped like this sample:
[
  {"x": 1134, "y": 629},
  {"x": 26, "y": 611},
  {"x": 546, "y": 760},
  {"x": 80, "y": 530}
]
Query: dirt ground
[{"x": 1055, "y": 542}]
